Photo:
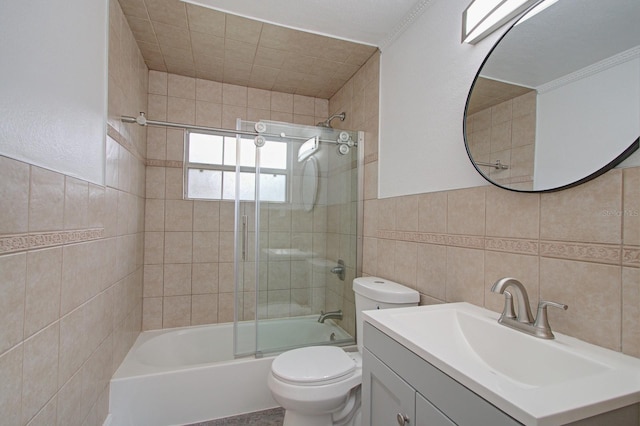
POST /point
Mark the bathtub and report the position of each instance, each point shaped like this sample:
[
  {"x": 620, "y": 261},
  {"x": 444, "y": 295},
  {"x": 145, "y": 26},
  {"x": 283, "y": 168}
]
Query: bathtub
[{"x": 189, "y": 374}]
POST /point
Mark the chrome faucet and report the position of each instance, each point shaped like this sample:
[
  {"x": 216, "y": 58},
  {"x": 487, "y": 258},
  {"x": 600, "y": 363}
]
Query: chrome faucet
[
  {"x": 524, "y": 321},
  {"x": 339, "y": 270},
  {"x": 333, "y": 314}
]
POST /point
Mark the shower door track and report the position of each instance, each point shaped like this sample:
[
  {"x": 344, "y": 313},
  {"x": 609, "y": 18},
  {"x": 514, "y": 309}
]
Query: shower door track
[{"x": 143, "y": 121}]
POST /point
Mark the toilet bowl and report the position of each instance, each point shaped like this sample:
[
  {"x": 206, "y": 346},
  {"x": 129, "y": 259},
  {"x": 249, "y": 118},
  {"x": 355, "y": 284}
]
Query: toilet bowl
[{"x": 320, "y": 385}]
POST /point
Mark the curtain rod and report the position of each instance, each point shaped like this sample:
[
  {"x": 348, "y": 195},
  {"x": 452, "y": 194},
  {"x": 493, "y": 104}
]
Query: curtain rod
[{"x": 143, "y": 121}]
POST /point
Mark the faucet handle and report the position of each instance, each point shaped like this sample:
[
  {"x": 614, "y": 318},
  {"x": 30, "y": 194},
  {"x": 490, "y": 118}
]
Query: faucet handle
[{"x": 542, "y": 319}]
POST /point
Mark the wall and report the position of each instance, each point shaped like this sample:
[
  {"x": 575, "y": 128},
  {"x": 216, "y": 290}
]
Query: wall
[
  {"x": 563, "y": 110},
  {"x": 506, "y": 132},
  {"x": 579, "y": 246},
  {"x": 188, "y": 273},
  {"x": 71, "y": 267},
  {"x": 53, "y": 85}
]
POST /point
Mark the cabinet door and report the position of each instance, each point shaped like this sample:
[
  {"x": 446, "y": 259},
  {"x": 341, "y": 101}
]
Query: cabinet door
[
  {"x": 428, "y": 415},
  {"x": 386, "y": 398}
]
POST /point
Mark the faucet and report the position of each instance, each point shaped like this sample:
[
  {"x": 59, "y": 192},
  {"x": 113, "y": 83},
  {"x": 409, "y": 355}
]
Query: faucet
[
  {"x": 333, "y": 314},
  {"x": 524, "y": 321}
]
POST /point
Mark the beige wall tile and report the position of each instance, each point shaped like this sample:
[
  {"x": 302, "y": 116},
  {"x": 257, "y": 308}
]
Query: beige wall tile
[
  {"x": 74, "y": 349},
  {"x": 386, "y": 258},
  {"x": 206, "y": 215},
  {"x": 204, "y": 309},
  {"x": 70, "y": 402},
  {"x": 370, "y": 256},
  {"x": 158, "y": 82},
  {"x": 153, "y": 248},
  {"x": 12, "y": 299},
  {"x": 14, "y": 196},
  {"x": 40, "y": 370},
  {"x": 47, "y": 415},
  {"x": 152, "y": 313},
  {"x": 226, "y": 247},
  {"x": 631, "y": 206},
  {"x": 157, "y": 109},
  {"x": 181, "y": 87},
  {"x": 407, "y": 213},
  {"x": 512, "y": 214},
  {"x": 173, "y": 184},
  {"x": 432, "y": 212},
  {"x": 97, "y": 208},
  {"x": 387, "y": 214},
  {"x": 11, "y": 386},
  {"x": 406, "y": 263},
  {"x": 204, "y": 278},
  {"x": 42, "y": 296},
  {"x": 432, "y": 270},
  {"x": 177, "y": 279},
  {"x": 178, "y": 247},
  {"x": 46, "y": 200},
  {"x": 208, "y": 114},
  {"x": 631, "y": 311},
  {"x": 156, "y": 143},
  {"x": 176, "y": 311},
  {"x": 581, "y": 213},
  {"x": 181, "y": 110},
  {"x": 76, "y": 203},
  {"x": 178, "y": 215},
  {"x": 209, "y": 91},
  {"x": 225, "y": 307},
  {"x": 281, "y": 102},
  {"x": 205, "y": 247},
  {"x": 175, "y": 145},
  {"x": 154, "y": 215},
  {"x": 155, "y": 182},
  {"x": 153, "y": 283},
  {"x": 466, "y": 211},
  {"x": 593, "y": 293},
  {"x": 465, "y": 275}
]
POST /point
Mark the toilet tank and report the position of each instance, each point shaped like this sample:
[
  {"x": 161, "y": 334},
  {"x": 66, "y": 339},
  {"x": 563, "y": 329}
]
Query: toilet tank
[{"x": 380, "y": 293}]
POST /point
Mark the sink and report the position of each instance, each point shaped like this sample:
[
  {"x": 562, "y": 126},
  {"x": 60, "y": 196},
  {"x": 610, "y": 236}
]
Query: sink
[
  {"x": 536, "y": 381},
  {"x": 524, "y": 360}
]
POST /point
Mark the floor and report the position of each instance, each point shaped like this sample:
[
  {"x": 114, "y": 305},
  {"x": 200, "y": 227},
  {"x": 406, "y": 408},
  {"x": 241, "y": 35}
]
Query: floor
[{"x": 273, "y": 417}]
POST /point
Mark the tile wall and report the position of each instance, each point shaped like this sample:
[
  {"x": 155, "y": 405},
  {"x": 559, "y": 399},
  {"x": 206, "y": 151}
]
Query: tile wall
[
  {"x": 506, "y": 132},
  {"x": 188, "y": 272},
  {"x": 71, "y": 267}
]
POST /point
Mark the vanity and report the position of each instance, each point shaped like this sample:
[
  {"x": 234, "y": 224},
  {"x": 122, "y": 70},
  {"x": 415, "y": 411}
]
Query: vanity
[{"x": 453, "y": 364}]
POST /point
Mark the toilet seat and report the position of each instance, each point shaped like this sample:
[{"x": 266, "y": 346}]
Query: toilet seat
[{"x": 313, "y": 366}]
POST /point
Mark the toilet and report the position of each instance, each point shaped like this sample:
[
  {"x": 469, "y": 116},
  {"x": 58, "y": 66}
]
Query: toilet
[{"x": 320, "y": 385}]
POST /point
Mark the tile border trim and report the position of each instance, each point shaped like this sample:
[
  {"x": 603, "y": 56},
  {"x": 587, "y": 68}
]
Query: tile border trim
[
  {"x": 37, "y": 240},
  {"x": 609, "y": 254}
]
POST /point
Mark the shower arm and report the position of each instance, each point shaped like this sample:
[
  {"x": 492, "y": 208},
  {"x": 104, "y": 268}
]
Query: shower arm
[{"x": 143, "y": 121}]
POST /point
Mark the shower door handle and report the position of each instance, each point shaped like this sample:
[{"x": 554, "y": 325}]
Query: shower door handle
[{"x": 245, "y": 236}]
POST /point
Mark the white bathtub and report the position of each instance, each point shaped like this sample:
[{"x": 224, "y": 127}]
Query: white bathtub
[{"x": 187, "y": 375}]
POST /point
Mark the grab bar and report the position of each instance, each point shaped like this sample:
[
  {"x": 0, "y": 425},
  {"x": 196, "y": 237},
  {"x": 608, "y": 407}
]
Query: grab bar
[{"x": 245, "y": 236}]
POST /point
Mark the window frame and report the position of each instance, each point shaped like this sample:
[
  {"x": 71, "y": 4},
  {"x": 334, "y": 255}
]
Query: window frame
[{"x": 187, "y": 165}]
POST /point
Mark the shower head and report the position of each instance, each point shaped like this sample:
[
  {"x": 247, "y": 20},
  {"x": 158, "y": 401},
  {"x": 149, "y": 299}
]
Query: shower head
[{"x": 327, "y": 122}]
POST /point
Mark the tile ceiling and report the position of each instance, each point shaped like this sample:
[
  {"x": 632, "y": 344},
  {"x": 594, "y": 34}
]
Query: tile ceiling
[{"x": 194, "y": 41}]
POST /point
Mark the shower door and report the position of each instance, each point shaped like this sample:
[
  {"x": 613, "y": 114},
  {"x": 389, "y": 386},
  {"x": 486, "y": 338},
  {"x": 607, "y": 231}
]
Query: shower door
[{"x": 295, "y": 218}]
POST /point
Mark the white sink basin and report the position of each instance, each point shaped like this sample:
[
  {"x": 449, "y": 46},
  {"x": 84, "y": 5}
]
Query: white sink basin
[{"x": 536, "y": 381}]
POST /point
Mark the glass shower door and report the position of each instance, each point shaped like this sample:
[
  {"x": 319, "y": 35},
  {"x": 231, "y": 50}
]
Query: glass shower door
[{"x": 298, "y": 221}]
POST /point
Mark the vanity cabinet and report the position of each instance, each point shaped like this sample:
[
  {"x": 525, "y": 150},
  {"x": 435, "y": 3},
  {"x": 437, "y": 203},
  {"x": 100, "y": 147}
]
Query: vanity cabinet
[{"x": 400, "y": 388}]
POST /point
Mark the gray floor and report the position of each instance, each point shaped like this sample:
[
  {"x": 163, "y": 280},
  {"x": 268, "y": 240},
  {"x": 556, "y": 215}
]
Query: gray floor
[{"x": 273, "y": 417}]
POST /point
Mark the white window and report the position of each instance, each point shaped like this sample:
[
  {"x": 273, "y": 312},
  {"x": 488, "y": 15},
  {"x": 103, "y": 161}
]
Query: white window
[{"x": 210, "y": 168}]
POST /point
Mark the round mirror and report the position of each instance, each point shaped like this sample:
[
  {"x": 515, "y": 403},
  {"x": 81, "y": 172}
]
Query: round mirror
[
  {"x": 309, "y": 185},
  {"x": 557, "y": 100}
]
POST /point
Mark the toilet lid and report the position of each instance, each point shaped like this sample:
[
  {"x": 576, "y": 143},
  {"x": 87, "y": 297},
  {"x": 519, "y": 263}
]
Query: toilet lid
[{"x": 313, "y": 365}]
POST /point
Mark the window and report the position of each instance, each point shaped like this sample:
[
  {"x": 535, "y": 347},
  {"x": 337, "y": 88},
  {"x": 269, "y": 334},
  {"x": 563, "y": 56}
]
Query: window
[{"x": 210, "y": 168}]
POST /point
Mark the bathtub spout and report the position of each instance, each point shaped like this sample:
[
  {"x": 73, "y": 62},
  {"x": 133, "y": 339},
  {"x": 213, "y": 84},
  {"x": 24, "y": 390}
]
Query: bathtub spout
[{"x": 333, "y": 314}]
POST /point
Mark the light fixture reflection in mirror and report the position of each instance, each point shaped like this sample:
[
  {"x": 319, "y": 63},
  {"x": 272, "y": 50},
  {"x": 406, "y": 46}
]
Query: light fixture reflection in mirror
[
  {"x": 557, "y": 100},
  {"x": 482, "y": 17}
]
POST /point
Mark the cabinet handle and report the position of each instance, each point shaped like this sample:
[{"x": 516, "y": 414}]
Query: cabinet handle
[{"x": 402, "y": 419}]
